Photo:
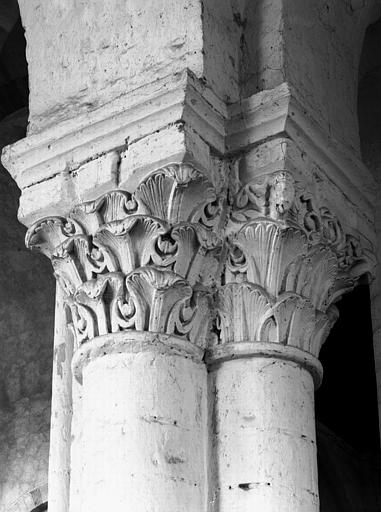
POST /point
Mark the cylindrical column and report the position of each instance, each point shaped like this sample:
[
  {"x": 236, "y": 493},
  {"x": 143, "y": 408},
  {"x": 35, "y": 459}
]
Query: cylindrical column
[
  {"x": 264, "y": 444},
  {"x": 139, "y": 427},
  {"x": 144, "y": 430}
]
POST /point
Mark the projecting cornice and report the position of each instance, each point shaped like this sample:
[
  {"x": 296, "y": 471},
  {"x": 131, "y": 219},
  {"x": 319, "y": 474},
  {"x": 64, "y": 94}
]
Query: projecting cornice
[
  {"x": 279, "y": 112},
  {"x": 118, "y": 125},
  {"x": 180, "y": 119}
]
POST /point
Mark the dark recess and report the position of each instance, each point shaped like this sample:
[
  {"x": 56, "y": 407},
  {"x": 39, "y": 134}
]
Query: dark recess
[{"x": 347, "y": 399}]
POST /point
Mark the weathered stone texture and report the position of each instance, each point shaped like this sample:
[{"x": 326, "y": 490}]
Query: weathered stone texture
[
  {"x": 182, "y": 172},
  {"x": 315, "y": 47},
  {"x": 262, "y": 409},
  {"x": 153, "y": 456},
  {"x": 86, "y": 72}
]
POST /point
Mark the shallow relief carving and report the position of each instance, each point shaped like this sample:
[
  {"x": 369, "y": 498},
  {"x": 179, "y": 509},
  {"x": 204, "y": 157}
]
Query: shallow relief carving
[{"x": 145, "y": 261}]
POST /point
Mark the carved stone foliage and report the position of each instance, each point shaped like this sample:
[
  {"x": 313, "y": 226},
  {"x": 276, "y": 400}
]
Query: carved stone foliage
[
  {"x": 143, "y": 261},
  {"x": 277, "y": 196},
  {"x": 279, "y": 288},
  {"x": 247, "y": 313},
  {"x": 153, "y": 259},
  {"x": 288, "y": 262}
]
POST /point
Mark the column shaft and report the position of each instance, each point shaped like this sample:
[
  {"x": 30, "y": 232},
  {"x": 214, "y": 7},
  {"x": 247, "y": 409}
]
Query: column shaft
[
  {"x": 265, "y": 451},
  {"x": 144, "y": 433}
]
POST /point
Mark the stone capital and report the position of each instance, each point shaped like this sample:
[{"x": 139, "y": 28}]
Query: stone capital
[
  {"x": 142, "y": 261},
  {"x": 266, "y": 258},
  {"x": 288, "y": 261},
  {"x": 167, "y": 208}
]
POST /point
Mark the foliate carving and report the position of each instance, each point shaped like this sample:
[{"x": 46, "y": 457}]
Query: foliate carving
[
  {"x": 279, "y": 259},
  {"x": 180, "y": 193},
  {"x": 248, "y": 313},
  {"x": 152, "y": 260},
  {"x": 278, "y": 197},
  {"x": 142, "y": 261},
  {"x": 288, "y": 262},
  {"x": 280, "y": 287}
]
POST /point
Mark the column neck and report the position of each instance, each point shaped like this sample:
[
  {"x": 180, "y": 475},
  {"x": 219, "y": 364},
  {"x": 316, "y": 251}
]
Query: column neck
[{"x": 131, "y": 341}]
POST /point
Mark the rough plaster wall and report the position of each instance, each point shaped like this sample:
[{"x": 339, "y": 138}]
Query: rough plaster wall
[
  {"x": 26, "y": 330},
  {"x": 262, "y": 65},
  {"x": 86, "y": 71},
  {"x": 222, "y": 28},
  {"x": 71, "y": 71},
  {"x": 325, "y": 71},
  {"x": 315, "y": 47}
]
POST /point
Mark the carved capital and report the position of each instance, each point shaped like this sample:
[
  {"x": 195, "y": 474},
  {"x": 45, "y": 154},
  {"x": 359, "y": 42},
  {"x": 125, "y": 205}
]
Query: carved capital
[
  {"x": 288, "y": 261},
  {"x": 144, "y": 261},
  {"x": 280, "y": 197},
  {"x": 153, "y": 259}
]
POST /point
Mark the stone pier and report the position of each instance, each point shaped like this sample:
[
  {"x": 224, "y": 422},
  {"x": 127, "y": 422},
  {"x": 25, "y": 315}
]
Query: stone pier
[{"x": 202, "y": 215}]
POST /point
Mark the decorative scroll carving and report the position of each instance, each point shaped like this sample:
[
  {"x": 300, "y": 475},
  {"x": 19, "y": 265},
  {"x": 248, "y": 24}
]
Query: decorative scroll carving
[
  {"x": 143, "y": 261},
  {"x": 288, "y": 262}
]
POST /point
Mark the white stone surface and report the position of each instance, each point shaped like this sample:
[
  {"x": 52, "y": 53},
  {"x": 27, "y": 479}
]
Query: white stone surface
[
  {"x": 62, "y": 408},
  {"x": 138, "y": 269},
  {"x": 281, "y": 111},
  {"x": 141, "y": 137},
  {"x": 263, "y": 437},
  {"x": 315, "y": 47},
  {"x": 144, "y": 434},
  {"x": 76, "y": 446},
  {"x": 136, "y": 44}
]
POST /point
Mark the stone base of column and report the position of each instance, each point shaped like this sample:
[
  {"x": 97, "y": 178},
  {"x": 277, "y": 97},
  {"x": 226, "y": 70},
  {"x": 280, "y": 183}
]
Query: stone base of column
[
  {"x": 144, "y": 431},
  {"x": 264, "y": 443}
]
